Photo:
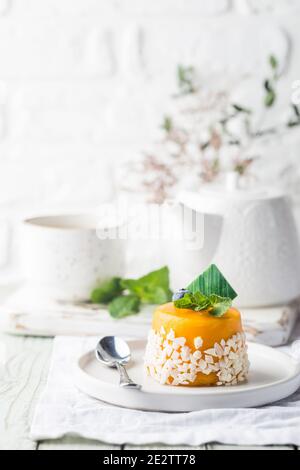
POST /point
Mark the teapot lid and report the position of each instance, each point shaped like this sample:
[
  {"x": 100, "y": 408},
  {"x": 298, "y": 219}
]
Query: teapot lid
[
  {"x": 258, "y": 194},
  {"x": 216, "y": 198},
  {"x": 233, "y": 191}
]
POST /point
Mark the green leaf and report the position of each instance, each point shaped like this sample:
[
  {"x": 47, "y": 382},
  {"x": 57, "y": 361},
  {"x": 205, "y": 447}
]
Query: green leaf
[
  {"x": 167, "y": 124},
  {"x": 273, "y": 62},
  {"x": 268, "y": 86},
  {"x": 197, "y": 302},
  {"x": 154, "y": 288},
  {"x": 188, "y": 301},
  {"x": 293, "y": 123},
  {"x": 241, "y": 109},
  {"x": 199, "y": 298},
  {"x": 216, "y": 305},
  {"x": 270, "y": 95},
  {"x": 296, "y": 110},
  {"x": 124, "y": 306},
  {"x": 211, "y": 282},
  {"x": 202, "y": 301},
  {"x": 270, "y": 99},
  {"x": 204, "y": 306},
  {"x": 216, "y": 299},
  {"x": 185, "y": 76},
  {"x": 107, "y": 291},
  {"x": 220, "y": 305}
]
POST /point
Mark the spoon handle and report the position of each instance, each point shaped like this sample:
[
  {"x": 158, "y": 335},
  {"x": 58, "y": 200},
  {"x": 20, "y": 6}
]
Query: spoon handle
[{"x": 125, "y": 380}]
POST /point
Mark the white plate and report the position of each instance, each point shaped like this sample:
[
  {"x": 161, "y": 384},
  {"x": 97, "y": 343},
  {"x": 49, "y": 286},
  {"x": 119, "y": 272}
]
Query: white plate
[{"x": 273, "y": 376}]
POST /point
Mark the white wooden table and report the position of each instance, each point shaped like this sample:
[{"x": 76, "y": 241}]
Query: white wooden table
[{"x": 22, "y": 378}]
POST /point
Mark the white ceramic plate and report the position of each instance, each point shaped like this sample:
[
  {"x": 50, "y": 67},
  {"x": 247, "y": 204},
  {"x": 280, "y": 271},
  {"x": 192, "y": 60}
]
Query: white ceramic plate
[{"x": 273, "y": 376}]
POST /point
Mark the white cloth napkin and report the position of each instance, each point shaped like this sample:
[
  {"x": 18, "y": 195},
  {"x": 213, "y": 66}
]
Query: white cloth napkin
[{"x": 63, "y": 410}]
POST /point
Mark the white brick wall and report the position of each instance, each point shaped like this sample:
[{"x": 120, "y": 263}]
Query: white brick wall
[{"x": 84, "y": 84}]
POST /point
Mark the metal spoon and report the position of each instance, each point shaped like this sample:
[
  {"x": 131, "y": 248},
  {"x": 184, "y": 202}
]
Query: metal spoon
[{"x": 114, "y": 352}]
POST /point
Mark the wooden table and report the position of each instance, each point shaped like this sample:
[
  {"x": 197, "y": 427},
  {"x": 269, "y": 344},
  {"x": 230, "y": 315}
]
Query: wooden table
[{"x": 22, "y": 378}]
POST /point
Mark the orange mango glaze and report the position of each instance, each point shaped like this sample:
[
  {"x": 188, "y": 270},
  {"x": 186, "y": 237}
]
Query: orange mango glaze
[{"x": 190, "y": 324}]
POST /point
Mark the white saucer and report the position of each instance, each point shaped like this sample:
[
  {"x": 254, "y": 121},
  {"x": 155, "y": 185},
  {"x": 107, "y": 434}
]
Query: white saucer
[{"x": 273, "y": 376}]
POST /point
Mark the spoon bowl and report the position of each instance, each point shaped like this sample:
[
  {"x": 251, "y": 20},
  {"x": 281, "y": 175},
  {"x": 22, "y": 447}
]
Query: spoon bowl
[
  {"x": 115, "y": 352},
  {"x": 112, "y": 349}
]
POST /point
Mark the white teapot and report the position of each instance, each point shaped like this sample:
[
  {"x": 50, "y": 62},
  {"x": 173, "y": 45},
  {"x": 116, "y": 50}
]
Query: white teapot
[{"x": 252, "y": 237}]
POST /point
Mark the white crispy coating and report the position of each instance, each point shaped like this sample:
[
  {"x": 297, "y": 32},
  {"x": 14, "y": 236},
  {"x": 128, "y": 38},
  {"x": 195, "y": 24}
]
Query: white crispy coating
[{"x": 170, "y": 361}]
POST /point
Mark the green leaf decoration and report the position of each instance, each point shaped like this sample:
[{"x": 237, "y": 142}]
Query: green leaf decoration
[
  {"x": 210, "y": 291},
  {"x": 216, "y": 305},
  {"x": 293, "y": 123},
  {"x": 220, "y": 305},
  {"x": 273, "y": 62},
  {"x": 268, "y": 85},
  {"x": 202, "y": 301},
  {"x": 188, "y": 301},
  {"x": 204, "y": 306},
  {"x": 124, "y": 306},
  {"x": 167, "y": 124},
  {"x": 107, "y": 291},
  {"x": 270, "y": 99},
  {"x": 154, "y": 288},
  {"x": 185, "y": 76},
  {"x": 212, "y": 282},
  {"x": 241, "y": 109}
]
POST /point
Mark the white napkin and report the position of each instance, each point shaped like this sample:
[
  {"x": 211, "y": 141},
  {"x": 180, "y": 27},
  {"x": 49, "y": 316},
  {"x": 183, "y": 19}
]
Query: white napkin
[{"x": 63, "y": 410}]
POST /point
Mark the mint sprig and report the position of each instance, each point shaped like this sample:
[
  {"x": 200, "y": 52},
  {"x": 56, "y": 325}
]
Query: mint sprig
[
  {"x": 154, "y": 288},
  {"x": 209, "y": 291},
  {"x": 107, "y": 291},
  {"x": 219, "y": 305},
  {"x": 124, "y": 296},
  {"x": 216, "y": 305},
  {"x": 124, "y": 306}
]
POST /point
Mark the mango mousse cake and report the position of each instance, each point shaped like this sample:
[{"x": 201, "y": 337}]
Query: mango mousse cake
[{"x": 198, "y": 339}]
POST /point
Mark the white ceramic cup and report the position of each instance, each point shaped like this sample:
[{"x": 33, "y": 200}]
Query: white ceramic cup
[{"x": 63, "y": 257}]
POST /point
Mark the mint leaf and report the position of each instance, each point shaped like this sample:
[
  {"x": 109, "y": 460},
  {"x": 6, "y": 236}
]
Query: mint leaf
[
  {"x": 203, "y": 306},
  {"x": 220, "y": 305},
  {"x": 107, "y": 291},
  {"x": 212, "y": 282},
  {"x": 188, "y": 301},
  {"x": 124, "y": 306},
  {"x": 216, "y": 305},
  {"x": 154, "y": 288},
  {"x": 202, "y": 301},
  {"x": 210, "y": 291},
  {"x": 195, "y": 302}
]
